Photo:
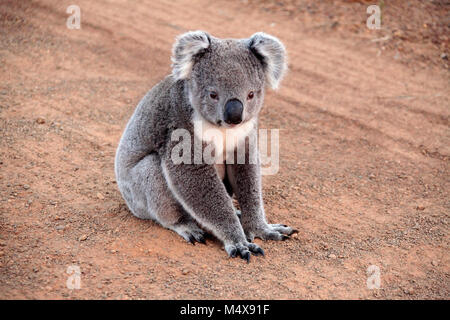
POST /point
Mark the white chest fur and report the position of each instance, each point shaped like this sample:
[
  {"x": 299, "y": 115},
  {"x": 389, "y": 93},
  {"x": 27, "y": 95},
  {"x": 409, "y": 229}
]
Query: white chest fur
[{"x": 223, "y": 140}]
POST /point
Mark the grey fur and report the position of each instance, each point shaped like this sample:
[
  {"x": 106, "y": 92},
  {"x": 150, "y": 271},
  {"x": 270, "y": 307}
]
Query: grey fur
[{"x": 189, "y": 198}]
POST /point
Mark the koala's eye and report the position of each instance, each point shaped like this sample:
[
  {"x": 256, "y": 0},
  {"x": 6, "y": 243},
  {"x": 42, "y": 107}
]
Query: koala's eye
[
  {"x": 213, "y": 95},
  {"x": 250, "y": 96}
]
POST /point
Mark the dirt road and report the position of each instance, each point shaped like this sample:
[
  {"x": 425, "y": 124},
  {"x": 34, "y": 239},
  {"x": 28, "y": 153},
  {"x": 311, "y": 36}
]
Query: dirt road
[{"x": 364, "y": 158}]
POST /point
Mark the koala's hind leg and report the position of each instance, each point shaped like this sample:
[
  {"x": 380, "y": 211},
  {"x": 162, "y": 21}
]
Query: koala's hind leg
[{"x": 161, "y": 206}]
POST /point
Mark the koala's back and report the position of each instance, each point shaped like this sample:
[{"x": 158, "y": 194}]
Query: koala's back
[
  {"x": 142, "y": 145},
  {"x": 163, "y": 108}
]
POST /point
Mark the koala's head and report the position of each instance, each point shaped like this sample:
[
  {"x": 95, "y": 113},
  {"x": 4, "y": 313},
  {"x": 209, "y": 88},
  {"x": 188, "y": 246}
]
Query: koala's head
[{"x": 226, "y": 78}]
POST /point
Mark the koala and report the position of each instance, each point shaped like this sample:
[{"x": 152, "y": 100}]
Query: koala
[{"x": 219, "y": 83}]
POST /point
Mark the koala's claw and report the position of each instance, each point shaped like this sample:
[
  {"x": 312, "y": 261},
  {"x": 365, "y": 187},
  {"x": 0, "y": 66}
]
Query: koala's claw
[
  {"x": 190, "y": 232},
  {"x": 284, "y": 229},
  {"x": 197, "y": 238},
  {"x": 243, "y": 250},
  {"x": 194, "y": 238},
  {"x": 201, "y": 240},
  {"x": 232, "y": 253},
  {"x": 258, "y": 252},
  {"x": 280, "y": 232},
  {"x": 245, "y": 255}
]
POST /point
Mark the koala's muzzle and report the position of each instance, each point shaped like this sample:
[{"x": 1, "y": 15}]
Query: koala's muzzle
[{"x": 233, "y": 111}]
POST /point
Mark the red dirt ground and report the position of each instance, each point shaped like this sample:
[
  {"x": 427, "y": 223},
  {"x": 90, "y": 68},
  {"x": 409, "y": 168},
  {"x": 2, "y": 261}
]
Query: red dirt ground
[{"x": 364, "y": 169}]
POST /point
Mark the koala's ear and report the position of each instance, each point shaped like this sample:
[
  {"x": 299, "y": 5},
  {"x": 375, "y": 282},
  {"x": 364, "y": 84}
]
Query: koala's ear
[
  {"x": 186, "y": 47},
  {"x": 272, "y": 54}
]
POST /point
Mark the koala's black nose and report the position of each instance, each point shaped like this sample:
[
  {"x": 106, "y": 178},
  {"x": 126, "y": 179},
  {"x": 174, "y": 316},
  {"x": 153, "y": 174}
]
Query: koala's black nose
[{"x": 233, "y": 111}]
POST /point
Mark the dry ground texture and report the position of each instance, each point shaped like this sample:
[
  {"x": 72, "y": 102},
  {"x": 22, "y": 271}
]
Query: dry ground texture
[{"x": 364, "y": 156}]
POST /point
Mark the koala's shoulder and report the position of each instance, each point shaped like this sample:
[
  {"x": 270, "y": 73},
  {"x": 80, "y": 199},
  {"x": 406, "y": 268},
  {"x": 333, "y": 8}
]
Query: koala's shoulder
[
  {"x": 164, "y": 94},
  {"x": 166, "y": 103}
]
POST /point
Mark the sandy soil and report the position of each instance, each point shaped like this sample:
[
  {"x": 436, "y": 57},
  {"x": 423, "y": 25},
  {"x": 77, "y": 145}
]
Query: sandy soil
[{"x": 365, "y": 146}]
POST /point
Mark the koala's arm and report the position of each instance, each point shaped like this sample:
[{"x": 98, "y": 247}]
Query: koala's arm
[
  {"x": 199, "y": 190},
  {"x": 246, "y": 181}
]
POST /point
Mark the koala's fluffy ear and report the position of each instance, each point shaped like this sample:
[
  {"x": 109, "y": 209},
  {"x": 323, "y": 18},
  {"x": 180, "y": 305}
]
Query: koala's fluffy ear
[
  {"x": 272, "y": 54},
  {"x": 186, "y": 47}
]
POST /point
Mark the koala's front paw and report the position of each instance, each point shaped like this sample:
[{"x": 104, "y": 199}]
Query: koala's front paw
[
  {"x": 243, "y": 249},
  {"x": 270, "y": 232}
]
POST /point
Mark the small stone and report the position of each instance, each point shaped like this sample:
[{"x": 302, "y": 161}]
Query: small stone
[
  {"x": 59, "y": 227},
  {"x": 332, "y": 256},
  {"x": 113, "y": 251},
  {"x": 40, "y": 120},
  {"x": 100, "y": 196},
  {"x": 26, "y": 186},
  {"x": 434, "y": 263},
  {"x": 444, "y": 56},
  {"x": 83, "y": 237},
  {"x": 400, "y": 34},
  {"x": 409, "y": 291},
  {"x": 185, "y": 271},
  {"x": 421, "y": 208}
]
